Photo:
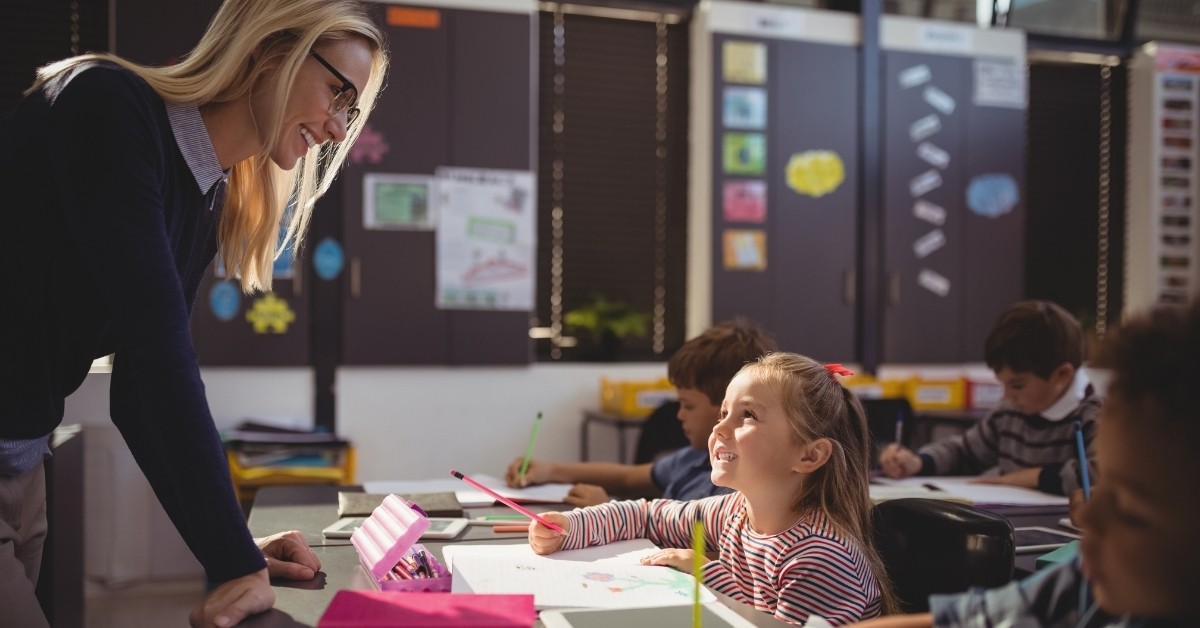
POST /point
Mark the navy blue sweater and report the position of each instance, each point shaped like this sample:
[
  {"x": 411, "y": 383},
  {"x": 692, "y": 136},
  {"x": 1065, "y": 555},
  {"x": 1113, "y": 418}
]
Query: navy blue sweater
[{"x": 108, "y": 237}]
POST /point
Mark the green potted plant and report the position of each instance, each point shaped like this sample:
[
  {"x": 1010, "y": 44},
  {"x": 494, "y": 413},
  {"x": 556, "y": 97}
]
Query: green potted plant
[{"x": 605, "y": 323}]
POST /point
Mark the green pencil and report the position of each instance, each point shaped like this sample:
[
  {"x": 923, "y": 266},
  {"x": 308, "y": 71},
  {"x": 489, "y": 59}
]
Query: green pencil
[
  {"x": 537, "y": 424},
  {"x": 697, "y": 569}
]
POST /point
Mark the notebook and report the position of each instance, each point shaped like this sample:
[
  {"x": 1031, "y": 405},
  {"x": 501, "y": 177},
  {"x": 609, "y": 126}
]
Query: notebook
[{"x": 356, "y": 504}]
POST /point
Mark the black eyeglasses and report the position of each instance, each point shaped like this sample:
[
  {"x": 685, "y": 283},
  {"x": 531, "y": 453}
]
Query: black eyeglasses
[{"x": 345, "y": 96}]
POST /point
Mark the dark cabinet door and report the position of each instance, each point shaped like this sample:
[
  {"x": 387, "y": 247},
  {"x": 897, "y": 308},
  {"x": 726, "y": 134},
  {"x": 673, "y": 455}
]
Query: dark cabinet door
[
  {"x": 458, "y": 95},
  {"x": 805, "y": 294},
  {"x": 924, "y": 158}
]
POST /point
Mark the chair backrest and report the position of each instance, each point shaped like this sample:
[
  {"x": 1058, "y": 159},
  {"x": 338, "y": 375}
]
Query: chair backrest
[
  {"x": 661, "y": 433},
  {"x": 933, "y": 546},
  {"x": 882, "y": 418}
]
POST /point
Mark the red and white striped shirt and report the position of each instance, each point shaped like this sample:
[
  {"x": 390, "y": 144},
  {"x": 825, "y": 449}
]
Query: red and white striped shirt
[{"x": 808, "y": 569}]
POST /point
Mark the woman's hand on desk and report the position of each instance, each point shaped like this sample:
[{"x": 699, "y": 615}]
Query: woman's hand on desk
[
  {"x": 582, "y": 495},
  {"x": 234, "y": 601},
  {"x": 677, "y": 559},
  {"x": 899, "y": 461},
  {"x": 289, "y": 556},
  {"x": 537, "y": 473},
  {"x": 543, "y": 540}
]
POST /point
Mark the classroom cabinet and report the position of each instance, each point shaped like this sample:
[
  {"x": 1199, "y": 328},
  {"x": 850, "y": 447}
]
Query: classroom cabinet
[
  {"x": 782, "y": 174},
  {"x": 780, "y": 189},
  {"x": 953, "y": 186},
  {"x": 460, "y": 93}
]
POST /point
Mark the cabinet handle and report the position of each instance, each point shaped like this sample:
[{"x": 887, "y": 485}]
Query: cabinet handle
[
  {"x": 849, "y": 286},
  {"x": 893, "y": 288},
  {"x": 355, "y": 278}
]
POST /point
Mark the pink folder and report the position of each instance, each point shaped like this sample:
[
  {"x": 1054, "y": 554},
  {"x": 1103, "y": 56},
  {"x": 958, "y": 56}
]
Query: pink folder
[{"x": 358, "y": 609}]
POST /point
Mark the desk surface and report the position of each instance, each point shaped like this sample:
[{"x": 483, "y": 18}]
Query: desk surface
[{"x": 310, "y": 508}]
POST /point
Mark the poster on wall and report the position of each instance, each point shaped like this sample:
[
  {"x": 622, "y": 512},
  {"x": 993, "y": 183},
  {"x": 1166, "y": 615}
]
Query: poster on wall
[
  {"x": 399, "y": 201},
  {"x": 744, "y": 249},
  {"x": 486, "y": 239}
]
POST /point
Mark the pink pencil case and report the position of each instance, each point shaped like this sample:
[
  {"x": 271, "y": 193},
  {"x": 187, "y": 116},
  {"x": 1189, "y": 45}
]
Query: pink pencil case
[{"x": 388, "y": 537}]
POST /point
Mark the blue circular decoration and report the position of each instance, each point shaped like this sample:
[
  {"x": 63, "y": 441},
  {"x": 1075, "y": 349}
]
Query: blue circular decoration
[
  {"x": 224, "y": 300},
  {"x": 992, "y": 195},
  {"x": 328, "y": 259}
]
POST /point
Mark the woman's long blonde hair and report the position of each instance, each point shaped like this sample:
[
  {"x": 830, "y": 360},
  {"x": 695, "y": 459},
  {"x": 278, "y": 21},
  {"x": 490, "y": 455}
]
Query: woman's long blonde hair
[
  {"x": 818, "y": 406},
  {"x": 281, "y": 33}
]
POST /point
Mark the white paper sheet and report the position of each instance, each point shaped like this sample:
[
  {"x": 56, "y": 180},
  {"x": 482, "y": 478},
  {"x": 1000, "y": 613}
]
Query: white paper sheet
[
  {"x": 606, "y": 576},
  {"x": 968, "y": 488}
]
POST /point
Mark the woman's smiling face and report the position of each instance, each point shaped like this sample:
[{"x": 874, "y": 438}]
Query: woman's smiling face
[{"x": 307, "y": 121}]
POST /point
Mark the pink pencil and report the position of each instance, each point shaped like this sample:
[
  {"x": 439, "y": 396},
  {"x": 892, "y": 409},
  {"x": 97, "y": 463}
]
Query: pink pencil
[{"x": 507, "y": 502}]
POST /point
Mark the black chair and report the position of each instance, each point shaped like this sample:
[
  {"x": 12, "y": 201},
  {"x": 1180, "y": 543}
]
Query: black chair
[
  {"x": 934, "y": 546},
  {"x": 882, "y": 416},
  {"x": 662, "y": 433}
]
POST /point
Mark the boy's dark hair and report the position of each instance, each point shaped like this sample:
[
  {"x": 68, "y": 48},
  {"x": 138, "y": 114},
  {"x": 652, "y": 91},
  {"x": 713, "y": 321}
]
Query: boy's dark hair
[
  {"x": 1034, "y": 337},
  {"x": 1154, "y": 362},
  {"x": 708, "y": 361}
]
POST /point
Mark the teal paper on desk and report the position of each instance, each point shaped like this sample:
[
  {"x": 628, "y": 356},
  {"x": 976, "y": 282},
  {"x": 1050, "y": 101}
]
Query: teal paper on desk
[
  {"x": 356, "y": 609},
  {"x": 1060, "y": 555}
]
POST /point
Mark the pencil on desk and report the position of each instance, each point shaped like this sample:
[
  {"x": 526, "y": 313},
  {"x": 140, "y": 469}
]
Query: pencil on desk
[
  {"x": 537, "y": 425},
  {"x": 506, "y": 501},
  {"x": 509, "y": 529}
]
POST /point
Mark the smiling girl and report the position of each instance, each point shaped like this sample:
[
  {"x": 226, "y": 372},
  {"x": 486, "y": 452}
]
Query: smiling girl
[{"x": 794, "y": 540}]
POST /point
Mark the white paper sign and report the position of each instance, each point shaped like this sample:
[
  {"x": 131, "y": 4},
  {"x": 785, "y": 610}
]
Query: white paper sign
[{"x": 1000, "y": 84}]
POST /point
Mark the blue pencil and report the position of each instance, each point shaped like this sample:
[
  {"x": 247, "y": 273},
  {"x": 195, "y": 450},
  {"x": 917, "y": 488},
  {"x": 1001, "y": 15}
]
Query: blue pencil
[{"x": 1083, "y": 463}]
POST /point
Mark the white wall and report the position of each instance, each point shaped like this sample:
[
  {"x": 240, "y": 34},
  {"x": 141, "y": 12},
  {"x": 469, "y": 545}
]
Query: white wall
[{"x": 406, "y": 423}]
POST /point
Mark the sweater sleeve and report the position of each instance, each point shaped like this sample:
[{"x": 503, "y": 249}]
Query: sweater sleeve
[
  {"x": 108, "y": 161},
  {"x": 969, "y": 453},
  {"x": 665, "y": 522}
]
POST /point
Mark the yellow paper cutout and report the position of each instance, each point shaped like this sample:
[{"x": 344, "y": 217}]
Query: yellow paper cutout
[
  {"x": 270, "y": 314},
  {"x": 815, "y": 172}
]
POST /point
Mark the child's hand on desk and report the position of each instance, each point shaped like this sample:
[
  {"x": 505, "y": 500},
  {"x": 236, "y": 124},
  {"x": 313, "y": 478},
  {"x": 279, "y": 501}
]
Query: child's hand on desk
[
  {"x": 677, "y": 559},
  {"x": 536, "y": 473},
  {"x": 1027, "y": 478},
  {"x": 543, "y": 540},
  {"x": 289, "y": 556},
  {"x": 899, "y": 461},
  {"x": 582, "y": 495}
]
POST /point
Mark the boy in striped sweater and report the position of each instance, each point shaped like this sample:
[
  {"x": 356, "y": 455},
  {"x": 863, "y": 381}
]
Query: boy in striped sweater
[
  {"x": 794, "y": 540},
  {"x": 1036, "y": 349}
]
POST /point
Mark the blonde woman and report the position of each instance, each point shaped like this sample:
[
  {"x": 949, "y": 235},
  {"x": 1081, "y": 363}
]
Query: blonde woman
[{"x": 121, "y": 184}]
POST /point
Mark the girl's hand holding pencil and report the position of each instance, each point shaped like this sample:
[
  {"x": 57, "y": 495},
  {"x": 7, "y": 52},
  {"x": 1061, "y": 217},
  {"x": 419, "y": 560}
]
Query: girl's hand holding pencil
[{"x": 545, "y": 540}]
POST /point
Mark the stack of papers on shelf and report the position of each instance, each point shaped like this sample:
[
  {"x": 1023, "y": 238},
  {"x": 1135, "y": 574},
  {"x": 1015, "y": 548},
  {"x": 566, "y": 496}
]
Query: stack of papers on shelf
[
  {"x": 965, "y": 489},
  {"x": 605, "y": 576},
  {"x": 467, "y": 496}
]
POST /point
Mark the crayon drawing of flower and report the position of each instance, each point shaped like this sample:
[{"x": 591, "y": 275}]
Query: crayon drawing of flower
[
  {"x": 599, "y": 576},
  {"x": 370, "y": 147}
]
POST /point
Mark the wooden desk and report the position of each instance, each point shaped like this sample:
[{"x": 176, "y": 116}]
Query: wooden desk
[{"x": 310, "y": 508}]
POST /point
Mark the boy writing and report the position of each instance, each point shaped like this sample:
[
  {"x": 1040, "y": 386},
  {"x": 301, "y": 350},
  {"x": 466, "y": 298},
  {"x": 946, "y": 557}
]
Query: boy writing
[
  {"x": 1138, "y": 556},
  {"x": 1035, "y": 350},
  {"x": 700, "y": 371}
]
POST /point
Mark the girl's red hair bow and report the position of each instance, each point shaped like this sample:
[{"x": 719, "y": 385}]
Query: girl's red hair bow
[{"x": 838, "y": 369}]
